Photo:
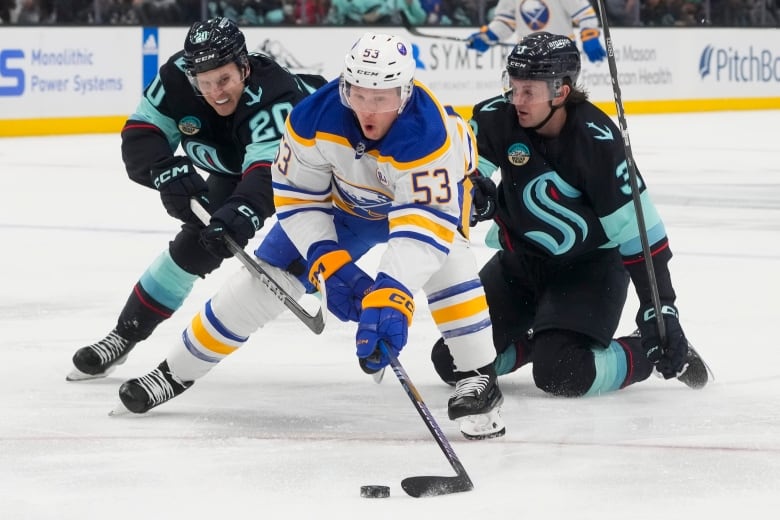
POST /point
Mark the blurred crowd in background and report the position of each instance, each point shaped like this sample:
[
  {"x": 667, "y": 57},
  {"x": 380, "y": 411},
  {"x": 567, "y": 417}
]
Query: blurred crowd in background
[{"x": 621, "y": 13}]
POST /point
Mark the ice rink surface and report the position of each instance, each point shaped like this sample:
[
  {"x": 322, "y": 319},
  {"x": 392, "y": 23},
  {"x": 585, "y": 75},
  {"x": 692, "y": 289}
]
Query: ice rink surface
[{"x": 289, "y": 427}]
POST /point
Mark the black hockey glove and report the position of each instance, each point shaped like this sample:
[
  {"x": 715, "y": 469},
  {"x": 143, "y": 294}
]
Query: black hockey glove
[
  {"x": 236, "y": 219},
  {"x": 177, "y": 181},
  {"x": 669, "y": 358},
  {"x": 484, "y": 195}
]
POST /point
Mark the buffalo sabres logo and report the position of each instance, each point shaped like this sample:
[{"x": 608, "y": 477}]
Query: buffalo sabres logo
[
  {"x": 189, "y": 125},
  {"x": 518, "y": 154},
  {"x": 381, "y": 177}
]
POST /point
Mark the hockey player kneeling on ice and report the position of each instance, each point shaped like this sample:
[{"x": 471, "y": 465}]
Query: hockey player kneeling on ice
[
  {"x": 225, "y": 108},
  {"x": 570, "y": 238},
  {"x": 370, "y": 158}
]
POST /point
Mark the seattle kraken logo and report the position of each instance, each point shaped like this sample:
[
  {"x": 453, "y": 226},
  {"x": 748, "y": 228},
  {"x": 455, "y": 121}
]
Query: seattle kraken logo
[
  {"x": 537, "y": 199},
  {"x": 206, "y": 157}
]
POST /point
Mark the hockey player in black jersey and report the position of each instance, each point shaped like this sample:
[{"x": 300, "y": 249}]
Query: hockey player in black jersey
[
  {"x": 225, "y": 109},
  {"x": 569, "y": 237}
]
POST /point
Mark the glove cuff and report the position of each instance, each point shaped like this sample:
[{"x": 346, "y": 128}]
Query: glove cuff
[
  {"x": 647, "y": 314},
  {"x": 327, "y": 264},
  {"x": 589, "y": 33},
  {"x": 390, "y": 293}
]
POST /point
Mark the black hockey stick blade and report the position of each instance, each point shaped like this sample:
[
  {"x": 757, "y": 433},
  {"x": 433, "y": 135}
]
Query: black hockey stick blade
[{"x": 431, "y": 486}]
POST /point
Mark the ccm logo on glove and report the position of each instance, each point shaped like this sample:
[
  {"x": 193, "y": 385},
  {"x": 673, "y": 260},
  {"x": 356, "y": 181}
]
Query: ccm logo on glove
[{"x": 171, "y": 174}]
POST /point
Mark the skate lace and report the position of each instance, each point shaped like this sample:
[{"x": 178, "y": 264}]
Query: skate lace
[
  {"x": 110, "y": 348},
  {"x": 474, "y": 385},
  {"x": 157, "y": 387}
]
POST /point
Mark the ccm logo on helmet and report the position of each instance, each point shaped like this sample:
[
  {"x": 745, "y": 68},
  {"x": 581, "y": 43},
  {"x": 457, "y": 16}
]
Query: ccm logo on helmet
[{"x": 366, "y": 73}]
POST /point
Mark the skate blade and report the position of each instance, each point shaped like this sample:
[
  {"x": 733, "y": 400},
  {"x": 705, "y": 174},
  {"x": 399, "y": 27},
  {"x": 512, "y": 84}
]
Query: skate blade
[
  {"x": 484, "y": 426},
  {"x": 78, "y": 375},
  {"x": 119, "y": 410}
]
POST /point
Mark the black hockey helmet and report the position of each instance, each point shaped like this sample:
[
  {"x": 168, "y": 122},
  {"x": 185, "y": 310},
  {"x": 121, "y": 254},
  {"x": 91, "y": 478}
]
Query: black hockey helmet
[
  {"x": 214, "y": 43},
  {"x": 544, "y": 56}
]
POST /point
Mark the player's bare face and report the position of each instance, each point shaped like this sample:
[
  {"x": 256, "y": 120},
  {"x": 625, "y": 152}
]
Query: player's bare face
[
  {"x": 531, "y": 99},
  {"x": 375, "y": 109},
  {"x": 222, "y": 87}
]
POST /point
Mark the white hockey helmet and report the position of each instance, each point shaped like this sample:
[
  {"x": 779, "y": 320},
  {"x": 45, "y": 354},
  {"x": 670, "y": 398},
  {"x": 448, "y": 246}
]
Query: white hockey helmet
[{"x": 379, "y": 61}]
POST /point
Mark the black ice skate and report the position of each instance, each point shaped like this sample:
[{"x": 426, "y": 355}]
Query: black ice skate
[
  {"x": 476, "y": 404},
  {"x": 443, "y": 362},
  {"x": 141, "y": 394},
  {"x": 101, "y": 358}
]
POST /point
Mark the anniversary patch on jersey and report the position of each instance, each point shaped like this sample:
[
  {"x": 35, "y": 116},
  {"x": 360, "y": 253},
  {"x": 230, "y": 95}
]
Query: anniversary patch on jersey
[
  {"x": 518, "y": 154},
  {"x": 189, "y": 125}
]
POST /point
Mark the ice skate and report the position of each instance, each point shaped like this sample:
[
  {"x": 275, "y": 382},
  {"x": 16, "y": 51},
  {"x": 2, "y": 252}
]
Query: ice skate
[
  {"x": 442, "y": 362},
  {"x": 476, "y": 404},
  {"x": 139, "y": 395},
  {"x": 101, "y": 358}
]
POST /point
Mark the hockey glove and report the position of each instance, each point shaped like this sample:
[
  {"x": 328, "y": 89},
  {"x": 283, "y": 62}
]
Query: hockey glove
[
  {"x": 236, "y": 219},
  {"x": 668, "y": 358},
  {"x": 481, "y": 41},
  {"x": 345, "y": 283},
  {"x": 387, "y": 316},
  {"x": 177, "y": 181},
  {"x": 484, "y": 195},
  {"x": 592, "y": 45}
]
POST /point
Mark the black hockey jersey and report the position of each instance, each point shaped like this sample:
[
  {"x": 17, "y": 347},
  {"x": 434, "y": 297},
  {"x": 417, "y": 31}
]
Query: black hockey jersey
[
  {"x": 172, "y": 114},
  {"x": 567, "y": 196}
]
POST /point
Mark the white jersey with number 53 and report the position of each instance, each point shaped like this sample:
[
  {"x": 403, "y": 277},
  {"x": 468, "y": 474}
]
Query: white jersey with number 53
[{"x": 411, "y": 178}]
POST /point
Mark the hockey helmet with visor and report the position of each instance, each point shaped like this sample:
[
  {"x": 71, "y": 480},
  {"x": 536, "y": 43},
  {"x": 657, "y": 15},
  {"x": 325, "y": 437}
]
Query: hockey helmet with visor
[
  {"x": 381, "y": 67},
  {"x": 541, "y": 56},
  {"x": 213, "y": 44}
]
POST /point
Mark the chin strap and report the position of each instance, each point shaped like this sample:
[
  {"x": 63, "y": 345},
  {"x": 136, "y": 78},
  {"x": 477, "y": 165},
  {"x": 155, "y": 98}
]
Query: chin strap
[{"x": 544, "y": 121}]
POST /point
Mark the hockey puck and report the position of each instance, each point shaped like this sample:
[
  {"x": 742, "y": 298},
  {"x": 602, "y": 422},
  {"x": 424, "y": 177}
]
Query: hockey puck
[{"x": 374, "y": 491}]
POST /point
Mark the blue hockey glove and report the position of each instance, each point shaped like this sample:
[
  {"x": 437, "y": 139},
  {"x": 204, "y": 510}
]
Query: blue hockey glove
[
  {"x": 481, "y": 41},
  {"x": 345, "y": 283},
  {"x": 236, "y": 219},
  {"x": 592, "y": 45},
  {"x": 177, "y": 181},
  {"x": 483, "y": 195},
  {"x": 668, "y": 358},
  {"x": 387, "y": 316}
]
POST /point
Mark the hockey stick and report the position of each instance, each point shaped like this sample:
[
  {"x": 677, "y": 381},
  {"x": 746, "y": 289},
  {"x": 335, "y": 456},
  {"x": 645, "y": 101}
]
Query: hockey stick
[
  {"x": 414, "y": 31},
  {"x": 315, "y": 322},
  {"x": 429, "y": 486},
  {"x": 632, "y": 176}
]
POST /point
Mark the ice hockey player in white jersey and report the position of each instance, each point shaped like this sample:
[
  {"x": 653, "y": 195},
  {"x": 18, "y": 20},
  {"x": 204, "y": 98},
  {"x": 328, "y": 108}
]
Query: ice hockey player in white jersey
[
  {"x": 372, "y": 158},
  {"x": 523, "y": 17}
]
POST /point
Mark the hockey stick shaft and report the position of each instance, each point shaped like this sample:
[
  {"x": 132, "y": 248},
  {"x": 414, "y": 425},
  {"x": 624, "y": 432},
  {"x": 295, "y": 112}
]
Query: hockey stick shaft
[
  {"x": 633, "y": 178},
  {"x": 416, "y": 32},
  {"x": 428, "y": 486},
  {"x": 315, "y": 322}
]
